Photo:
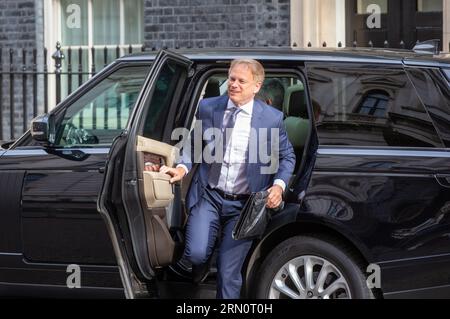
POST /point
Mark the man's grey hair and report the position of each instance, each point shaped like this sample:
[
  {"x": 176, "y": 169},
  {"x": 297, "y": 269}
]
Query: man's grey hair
[{"x": 256, "y": 68}]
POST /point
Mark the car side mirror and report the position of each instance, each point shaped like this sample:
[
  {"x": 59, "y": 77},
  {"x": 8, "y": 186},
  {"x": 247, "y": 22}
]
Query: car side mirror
[{"x": 43, "y": 129}]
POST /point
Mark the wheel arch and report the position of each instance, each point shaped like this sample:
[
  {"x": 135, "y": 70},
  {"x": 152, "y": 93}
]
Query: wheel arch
[{"x": 313, "y": 228}]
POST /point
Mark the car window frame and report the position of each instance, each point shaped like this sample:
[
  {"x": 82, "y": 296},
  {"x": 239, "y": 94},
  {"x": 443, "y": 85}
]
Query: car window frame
[
  {"x": 363, "y": 66},
  {"x": 60, "y": 109}
]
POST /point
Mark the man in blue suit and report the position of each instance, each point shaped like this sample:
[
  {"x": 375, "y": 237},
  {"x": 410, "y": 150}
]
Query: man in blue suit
[{"x": 220, "y": 188}]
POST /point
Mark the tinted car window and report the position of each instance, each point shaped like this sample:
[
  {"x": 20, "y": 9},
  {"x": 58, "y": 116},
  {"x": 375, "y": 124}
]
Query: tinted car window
[
  {"x": 102, "y": 113},
  {"x": 167, "y": 86},
  {"x": 435, "y": 94},
  {"x": 368, "y": 105}
]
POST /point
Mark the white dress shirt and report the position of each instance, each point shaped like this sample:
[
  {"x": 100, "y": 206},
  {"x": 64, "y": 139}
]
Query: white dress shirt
[{"x": 236, "y": 151}]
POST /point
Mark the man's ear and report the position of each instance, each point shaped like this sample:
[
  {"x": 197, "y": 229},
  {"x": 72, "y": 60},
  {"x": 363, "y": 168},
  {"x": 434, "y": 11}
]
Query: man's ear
[{"x": 258, "y": 87}]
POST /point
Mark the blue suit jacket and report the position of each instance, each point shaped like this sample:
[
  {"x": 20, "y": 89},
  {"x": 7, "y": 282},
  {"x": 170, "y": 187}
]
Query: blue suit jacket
[{"x": 211, "y": 112}]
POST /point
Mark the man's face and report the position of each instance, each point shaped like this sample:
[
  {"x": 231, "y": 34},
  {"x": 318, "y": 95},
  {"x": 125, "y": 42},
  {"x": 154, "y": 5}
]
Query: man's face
[{"x": 242, "y": 87}]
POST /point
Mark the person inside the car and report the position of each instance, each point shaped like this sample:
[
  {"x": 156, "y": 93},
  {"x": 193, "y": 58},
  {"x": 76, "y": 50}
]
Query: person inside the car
[
  {"x": 219, "y": 190},
  {"x": 272, "y": 93}
]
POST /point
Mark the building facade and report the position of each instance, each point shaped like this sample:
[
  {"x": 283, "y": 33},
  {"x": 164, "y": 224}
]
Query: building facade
[
  {"x": 116, "y": 27},
  {"x": 393, "y": 23}
]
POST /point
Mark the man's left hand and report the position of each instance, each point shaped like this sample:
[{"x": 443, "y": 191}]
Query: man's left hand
[{"x": 275, "y": 197}]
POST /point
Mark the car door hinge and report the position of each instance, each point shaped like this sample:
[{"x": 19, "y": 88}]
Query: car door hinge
[{"x": 124, "y": 133}]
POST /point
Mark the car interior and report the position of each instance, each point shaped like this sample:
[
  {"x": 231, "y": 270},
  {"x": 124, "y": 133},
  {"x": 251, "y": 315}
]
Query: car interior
[{"x": 162, "y": 202}]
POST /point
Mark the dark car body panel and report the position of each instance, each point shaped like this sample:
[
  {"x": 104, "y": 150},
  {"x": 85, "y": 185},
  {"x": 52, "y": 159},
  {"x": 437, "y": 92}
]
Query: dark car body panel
[
  {"x": 50, "y": 220},
  {"x": 391, "y": 202},
  {"x": 58, "y": 196}
]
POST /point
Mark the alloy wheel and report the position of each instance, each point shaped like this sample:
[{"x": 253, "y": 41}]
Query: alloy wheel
[{"x": 309, "y": 277}]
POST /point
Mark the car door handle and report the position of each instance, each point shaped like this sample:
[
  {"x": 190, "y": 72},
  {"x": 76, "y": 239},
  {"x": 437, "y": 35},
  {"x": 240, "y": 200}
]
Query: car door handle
[{"x": 443, "y": 180}]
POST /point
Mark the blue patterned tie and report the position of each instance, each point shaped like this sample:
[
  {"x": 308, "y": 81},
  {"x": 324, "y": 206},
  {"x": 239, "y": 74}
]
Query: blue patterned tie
[{"x": 216, "y": 168}]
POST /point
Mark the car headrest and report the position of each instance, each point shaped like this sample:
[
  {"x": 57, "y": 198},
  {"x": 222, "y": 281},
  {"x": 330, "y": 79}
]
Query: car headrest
[
  {"x": 294, "y": 102},
  {"x": 212, "y": 88}
]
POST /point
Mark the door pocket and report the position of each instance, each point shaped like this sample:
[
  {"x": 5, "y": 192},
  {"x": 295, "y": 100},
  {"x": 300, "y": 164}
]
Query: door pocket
[{"x": 158, "y": 190}]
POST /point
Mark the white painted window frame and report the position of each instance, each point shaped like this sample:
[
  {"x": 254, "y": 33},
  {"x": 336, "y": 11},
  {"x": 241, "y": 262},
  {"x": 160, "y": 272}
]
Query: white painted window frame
[
  {"x": 52, "y": 30},
  {"x": 306, "y": 25}
]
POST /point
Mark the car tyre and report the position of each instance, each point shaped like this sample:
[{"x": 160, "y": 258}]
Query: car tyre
[{"x": 312, "y": 267}]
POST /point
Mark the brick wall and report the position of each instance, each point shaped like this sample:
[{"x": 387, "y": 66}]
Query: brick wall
[
  {"x": 17, "y": 23},
  {"x": 18, "y": 30},
  {"x": 216, "y": 23}
]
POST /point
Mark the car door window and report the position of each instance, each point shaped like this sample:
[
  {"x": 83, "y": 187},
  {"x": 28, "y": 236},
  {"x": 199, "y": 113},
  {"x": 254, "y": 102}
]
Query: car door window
[
  {"x": 161, "y": 112},
  {"x": 102, "y": 113},
  {"x": 369, "y": 105}
]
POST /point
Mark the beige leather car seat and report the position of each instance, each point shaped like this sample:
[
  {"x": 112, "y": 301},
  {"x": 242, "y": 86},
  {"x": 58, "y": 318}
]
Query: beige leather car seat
[{"x": 295, "y": 110}]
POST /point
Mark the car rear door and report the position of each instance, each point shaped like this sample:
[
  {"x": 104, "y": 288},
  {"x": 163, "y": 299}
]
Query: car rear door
[
  {"x": 139, "y": 207},
  {"x": 380, "y": 170}
]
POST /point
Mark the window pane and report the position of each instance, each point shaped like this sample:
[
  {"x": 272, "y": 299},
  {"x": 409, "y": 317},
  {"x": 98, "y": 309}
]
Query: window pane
[
  {"x": 134, "y": 26},
  {"x": 400, "y": 121},
  {"x": 369, "y": 102},
  {"x": 106, "y": 22},
  {"x": 363, "y": 5},
  {"x": 429, "y": 5},
  {"x": 102, "y": 113},
  {"x": 74, "y": 22},
  {"x": 374, "y": 103}
]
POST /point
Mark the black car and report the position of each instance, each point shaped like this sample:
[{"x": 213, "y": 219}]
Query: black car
[{"x": 367, "y": 213}]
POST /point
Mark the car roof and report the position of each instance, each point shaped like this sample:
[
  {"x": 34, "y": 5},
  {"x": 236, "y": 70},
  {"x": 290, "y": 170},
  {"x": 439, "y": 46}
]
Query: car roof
[{"x": 370, "y": 55}]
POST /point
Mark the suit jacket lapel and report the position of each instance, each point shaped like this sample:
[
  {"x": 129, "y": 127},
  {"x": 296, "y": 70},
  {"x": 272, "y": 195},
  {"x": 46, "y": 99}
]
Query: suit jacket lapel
[{"x": 219, "y": 113}]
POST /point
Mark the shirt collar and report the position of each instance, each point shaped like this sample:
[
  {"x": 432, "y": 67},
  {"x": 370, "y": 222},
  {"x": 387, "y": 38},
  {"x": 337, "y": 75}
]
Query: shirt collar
[{"x": 246, "y": 108}]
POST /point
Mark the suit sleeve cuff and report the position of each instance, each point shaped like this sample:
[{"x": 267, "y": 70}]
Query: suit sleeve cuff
[
  {"x": 183, "y": 167},
  {"x": 280, "y": 183}
]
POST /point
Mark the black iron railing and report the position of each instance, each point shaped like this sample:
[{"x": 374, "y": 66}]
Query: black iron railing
[{"x": 30, "y": 86}]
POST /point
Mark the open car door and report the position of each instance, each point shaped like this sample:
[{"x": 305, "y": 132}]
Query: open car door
[{"x": 141, "y": 208}]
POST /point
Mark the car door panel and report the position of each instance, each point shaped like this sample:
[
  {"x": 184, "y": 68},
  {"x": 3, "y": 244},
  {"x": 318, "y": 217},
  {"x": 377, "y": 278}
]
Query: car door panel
[
  {"x": 56, "y": 205},
  {"x": 139, "y": 228},
  {"x": 158, "y": 196},
  {"x": 10, "y": 191},
  {"x": 392, "y": 202}
]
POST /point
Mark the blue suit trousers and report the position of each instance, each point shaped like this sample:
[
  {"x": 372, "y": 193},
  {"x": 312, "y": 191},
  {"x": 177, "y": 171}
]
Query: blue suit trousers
[{"x": 211, "y": 220}]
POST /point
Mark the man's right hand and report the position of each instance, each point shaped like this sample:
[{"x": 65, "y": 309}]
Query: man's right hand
[{"x": 176, "y": 173}]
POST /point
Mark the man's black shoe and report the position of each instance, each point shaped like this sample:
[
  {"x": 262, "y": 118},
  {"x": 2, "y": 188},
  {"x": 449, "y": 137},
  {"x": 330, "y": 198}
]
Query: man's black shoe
[{"x": 200, "y": 273}]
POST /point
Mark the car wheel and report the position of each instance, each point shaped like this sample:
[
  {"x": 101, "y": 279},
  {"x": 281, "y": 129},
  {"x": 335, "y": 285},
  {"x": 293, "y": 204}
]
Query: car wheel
[{"x": 307, "y": 267}]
